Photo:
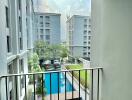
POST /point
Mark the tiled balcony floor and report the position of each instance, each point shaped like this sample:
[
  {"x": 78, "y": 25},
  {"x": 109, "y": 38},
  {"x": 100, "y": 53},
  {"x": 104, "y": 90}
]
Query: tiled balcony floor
[{"x": 62, "y": 96}]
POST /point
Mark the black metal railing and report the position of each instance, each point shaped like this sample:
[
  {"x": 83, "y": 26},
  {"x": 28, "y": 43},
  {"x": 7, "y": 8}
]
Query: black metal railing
[{"x": 83, "y": 90}]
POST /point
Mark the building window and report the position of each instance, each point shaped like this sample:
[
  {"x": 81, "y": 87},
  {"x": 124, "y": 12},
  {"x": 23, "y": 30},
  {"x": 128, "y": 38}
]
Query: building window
[
  {"x": 47, "y": 37},
  {"x": 26, "y": 8},
  {"x": 19, "y": 4},
  {"x": 89, "y": 31},
  {"x": 89, "y": 53},
  {"x": 89, "y": 37},
  {"x": 41, "y": 17},
  {"x": 89, "y": 25},
  {"x": 8, "y": 44},
  {"x": 22, "y": 80},
  {"x": 85, "y": 47},
  {"x": 85, "y": 42},
  {"x": 85, "y": 20},
  {"x": 7, "y": 17},
  {"x": 20, "y": 43},
  {"x": 47, "y": 24},
  {"x": 85, "y": 26},
  {"x": 48, "y": 42},
  {"x": 26, "y": 21},
  {"x": 84, "y": 53},
  {"x": 85, "y": 37},
  {"x": 47, "y": 18},
  {"x": 21, "y": 66},
  {"x": 21, "y": 85},
  {"x": 89, "y": 42},
  {"x": 20, "y": 24},
  {"x": 41, "y": 24},
  {"x": 41, "y": 31},
  {"x": 47, "y": 31},
  {"x": 10, "y": 71},
  {"x": 89, "y": 48},
  {"x": 85, "y": 32},
  {"x": 41, "y": 37},
  {"x": 89, "y": 20}
]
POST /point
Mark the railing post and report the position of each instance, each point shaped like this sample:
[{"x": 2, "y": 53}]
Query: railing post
[
  {"x": 79, "y": 84},
  {"x": 6, "y": 88},
  {"x": 25, "y": 88},
  {"x": 86, "y": 84},
  {"x": 72, "y": 85},
  {"x": 98, "y": 87},
  {"x": 34, "y": 86},
  {"x": 58, "y": 85},
  {"x": 16, "y": 87},
  {"x": 92, "y": 84},
  {"x": 65, "y": 86},
  {"x": 42, "y": 86},
  {"x": 50, "y": 88}
]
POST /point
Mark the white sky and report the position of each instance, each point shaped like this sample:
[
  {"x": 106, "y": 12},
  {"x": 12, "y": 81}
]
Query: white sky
[{"x": 65, "y": 7}]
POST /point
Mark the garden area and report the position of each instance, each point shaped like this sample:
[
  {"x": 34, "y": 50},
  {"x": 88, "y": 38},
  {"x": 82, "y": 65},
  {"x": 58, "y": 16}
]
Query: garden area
[{"x": 82, "y": 74}]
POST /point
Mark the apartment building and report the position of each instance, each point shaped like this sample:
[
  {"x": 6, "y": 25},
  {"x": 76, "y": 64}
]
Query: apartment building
[
  {"x": 79, "y": 36},
  {"x": 15, "y": 42},
  {"x": 47, "y": 27},
  {"x": 30, "y": 25}
]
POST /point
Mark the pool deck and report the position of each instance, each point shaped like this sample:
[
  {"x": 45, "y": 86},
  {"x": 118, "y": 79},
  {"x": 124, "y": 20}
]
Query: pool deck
[
  {"x": 68, "y": 94},
  {"x": 76, "y": 86},
  {"x": 62, "y": 96}
]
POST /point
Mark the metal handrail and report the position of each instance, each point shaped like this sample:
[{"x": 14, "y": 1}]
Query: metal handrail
[
  {"x": 9, "y": 75},
  {"x": 50, "y": 73}
]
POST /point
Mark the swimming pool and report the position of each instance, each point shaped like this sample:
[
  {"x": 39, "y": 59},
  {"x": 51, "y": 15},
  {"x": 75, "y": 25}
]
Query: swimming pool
[{"x": 54, "y": 83}]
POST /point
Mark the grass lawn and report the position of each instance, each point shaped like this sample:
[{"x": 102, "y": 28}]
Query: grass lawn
[{"x": 82, "y": 74}]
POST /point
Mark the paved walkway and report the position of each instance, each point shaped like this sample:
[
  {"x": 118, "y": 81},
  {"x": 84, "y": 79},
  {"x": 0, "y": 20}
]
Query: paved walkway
[
  {"x": 62, "y": 96},
  {"x": 76, "y": 87}
]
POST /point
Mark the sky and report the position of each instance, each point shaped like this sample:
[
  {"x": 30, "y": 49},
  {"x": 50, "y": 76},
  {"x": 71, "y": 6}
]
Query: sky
[{"x": 66, "y": 8}]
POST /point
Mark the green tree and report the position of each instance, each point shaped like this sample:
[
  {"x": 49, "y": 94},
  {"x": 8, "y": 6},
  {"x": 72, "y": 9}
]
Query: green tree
[
  {"x": 47, "y": 51},
  {"x": 55, "y": 51},
  {"x": 33, "y": 62},
  {"x": 41, "y": 48},
  {"x": 64, "y": 52}
]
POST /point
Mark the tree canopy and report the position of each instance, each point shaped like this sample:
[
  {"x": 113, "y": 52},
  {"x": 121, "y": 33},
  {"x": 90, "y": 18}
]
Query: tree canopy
[{"x": 47, "y": 51}]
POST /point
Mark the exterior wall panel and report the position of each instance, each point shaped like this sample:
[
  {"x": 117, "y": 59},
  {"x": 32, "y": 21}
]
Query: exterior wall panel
[{"x": 111, "y": 47}]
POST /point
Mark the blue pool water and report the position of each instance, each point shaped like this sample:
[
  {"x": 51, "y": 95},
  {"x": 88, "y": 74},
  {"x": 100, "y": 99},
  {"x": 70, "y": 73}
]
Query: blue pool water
[{"x": 54, "y": 83}]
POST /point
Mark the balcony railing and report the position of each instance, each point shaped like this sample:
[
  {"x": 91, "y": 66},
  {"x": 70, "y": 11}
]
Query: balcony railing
[{"x": 77, "y": 91}]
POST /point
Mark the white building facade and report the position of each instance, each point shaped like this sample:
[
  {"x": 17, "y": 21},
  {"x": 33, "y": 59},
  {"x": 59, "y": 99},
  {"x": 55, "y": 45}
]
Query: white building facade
[
  {"x": 47, "y": 27},
  {"x": 15, "y": 42},
  {"x": 79, "y": 36}
]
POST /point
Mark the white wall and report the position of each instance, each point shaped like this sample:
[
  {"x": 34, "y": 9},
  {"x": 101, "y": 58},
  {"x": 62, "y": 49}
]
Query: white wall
[
  {"x": 3, "y": 61},
  {"x": 77, "y": 51},
  {"x": 30, "y": 24},
  {"x": 78, "y": 29},
  {"x": 24, "y": 29},
  {"x": 55, "y": 29},
  {"x": 111, "y": 47}
]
